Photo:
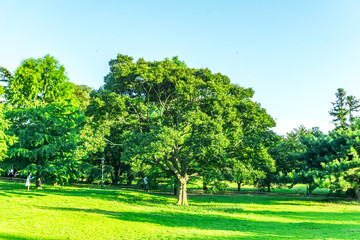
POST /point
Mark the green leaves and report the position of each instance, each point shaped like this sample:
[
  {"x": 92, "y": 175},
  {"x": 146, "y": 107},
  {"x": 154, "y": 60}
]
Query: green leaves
[
  {"x": 45, "y": 116},
  {"x": 180, "y": 119},
  {"x": 40, "y": 81},
  {"x": 44, "y": 132},
  {"x": 6, "y": 140},
  {"x": 343, "y": 109},
  {"x": 333, "y": 161}
]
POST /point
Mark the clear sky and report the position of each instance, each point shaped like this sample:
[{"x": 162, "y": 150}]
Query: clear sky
[{"x": 294, "y": 54}]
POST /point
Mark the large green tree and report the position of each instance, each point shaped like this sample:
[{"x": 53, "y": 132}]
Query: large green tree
[
  {"x": 185, "y": 118},
  {"x": 45, "y": 116}
]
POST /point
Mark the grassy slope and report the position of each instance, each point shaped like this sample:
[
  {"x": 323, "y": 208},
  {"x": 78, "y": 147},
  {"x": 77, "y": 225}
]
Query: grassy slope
[{"x": 79, "y": 213}]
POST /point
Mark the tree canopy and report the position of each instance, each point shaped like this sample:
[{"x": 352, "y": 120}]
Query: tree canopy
[
  {"x": 45, "y": 118},
  {"x": 164, "y": 119},
  {"x": 40, "y": 81},
  {"x": 185, "y": 117}
]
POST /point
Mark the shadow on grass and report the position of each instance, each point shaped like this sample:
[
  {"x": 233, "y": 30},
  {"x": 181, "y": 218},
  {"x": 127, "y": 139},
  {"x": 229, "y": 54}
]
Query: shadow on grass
[
  {"x": 9, "y": 189},
  {"x": 125, "y": 196},
  {"x": 259, "y": 228},
  {"x": 210, "y": 213},
  {"x": 142, "y": 198},
  {"x": 8, "y": 236}
]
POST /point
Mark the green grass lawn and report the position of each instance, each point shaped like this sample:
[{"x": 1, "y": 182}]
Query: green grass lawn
[{"x": 84, "y": 213}]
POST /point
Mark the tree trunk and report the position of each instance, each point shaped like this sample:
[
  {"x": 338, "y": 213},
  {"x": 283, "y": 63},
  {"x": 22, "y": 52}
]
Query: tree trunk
[
  {"x": 205, "y": 182},
  {"x": 175, "y": 187},
  {"x": 38, "y": 182},
  {"x": 268, "y": 187},
  {"x": 239, "y": 186},
  {"x": 204, "y": 186},
  {"x": 116, "y": 176},
  {"x": 356, "y": 194},
  {"x": 182, "y": 192},
  {"x": 130, "y": 178},
  {"x": 311, "y": 188}
]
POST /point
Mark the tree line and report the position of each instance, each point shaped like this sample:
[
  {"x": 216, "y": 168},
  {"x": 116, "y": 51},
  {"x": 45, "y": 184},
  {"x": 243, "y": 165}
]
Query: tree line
[{"x": 165, "y": 120}]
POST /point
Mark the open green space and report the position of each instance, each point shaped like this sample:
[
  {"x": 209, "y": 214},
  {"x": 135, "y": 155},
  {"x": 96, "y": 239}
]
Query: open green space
[{"x": 91, "y": 213}]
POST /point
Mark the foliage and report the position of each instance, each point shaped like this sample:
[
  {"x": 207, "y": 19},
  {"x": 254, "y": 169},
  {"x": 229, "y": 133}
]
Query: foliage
[
  {"x": 47, "y": 139},
  {"x": 96, "y": 174},
  {"x": 343, "y": 109},
  {"x": 46, "y": 119},
  {"x": 40, "y": 81},
  {"x": 6, "y": 140},
  {"x": 286, "y": 153},
  {"x": 185, "y": 118},
  {"x": 332, "y": 161},
  {"x": 251, "y": 162},
  {"x": 5, "y": 124},
  {"x": 217, "y": 186},
  {"x": 5, "y": 77},
  {"x": 82, "y": 93},
  {"x": 103, "y": 134}
]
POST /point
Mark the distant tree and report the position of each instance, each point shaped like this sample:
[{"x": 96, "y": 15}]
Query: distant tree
[
  {"x": 343, "y": 109},
  {"x": 332, "y": 161},
  {"x": 82, "y": 92},
  {"x": 251, "y": 162},
  {"x": 353, "y": 106},
  {"x": 104, "y": 131},
  {"x": 289, "y": 157},
  {"x": 339, "y": 110}
]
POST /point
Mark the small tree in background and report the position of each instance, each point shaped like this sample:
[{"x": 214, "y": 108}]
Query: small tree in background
[
  {"x": 343, "y": 109},
  {"x": 332, "y": 161}
]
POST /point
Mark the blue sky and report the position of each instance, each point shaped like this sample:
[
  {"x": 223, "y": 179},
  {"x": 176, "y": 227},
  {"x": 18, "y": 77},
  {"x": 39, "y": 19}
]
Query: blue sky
[{"x": 294, "y": 54}]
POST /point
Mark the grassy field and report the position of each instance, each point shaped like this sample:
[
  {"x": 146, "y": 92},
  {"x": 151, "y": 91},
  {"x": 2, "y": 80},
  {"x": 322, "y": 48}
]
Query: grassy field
[{"x": 84, "y": 213}]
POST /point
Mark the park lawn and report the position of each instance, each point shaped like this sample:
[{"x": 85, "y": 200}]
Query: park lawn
[{"x": 84, "y": 213}]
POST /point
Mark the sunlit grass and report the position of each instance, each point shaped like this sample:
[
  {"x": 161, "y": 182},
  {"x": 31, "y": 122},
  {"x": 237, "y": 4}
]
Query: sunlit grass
[{"x": 82, "y": 213}]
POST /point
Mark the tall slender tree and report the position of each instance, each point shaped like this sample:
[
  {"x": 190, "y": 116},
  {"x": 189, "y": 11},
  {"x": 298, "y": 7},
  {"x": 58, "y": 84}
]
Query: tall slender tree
[
  {"x": 339, "y": 110},
  {"x": 354, "y": 106},
  {"x": 343, "y": 109},
  {"x": 45, "y": 118}
]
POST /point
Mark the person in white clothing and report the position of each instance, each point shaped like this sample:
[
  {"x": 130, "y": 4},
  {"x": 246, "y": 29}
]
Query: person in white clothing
[
  {"x": 11, "y": 173},
  {"x": 146, "y": 183},
  {"x": 27, "y": 184}
]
